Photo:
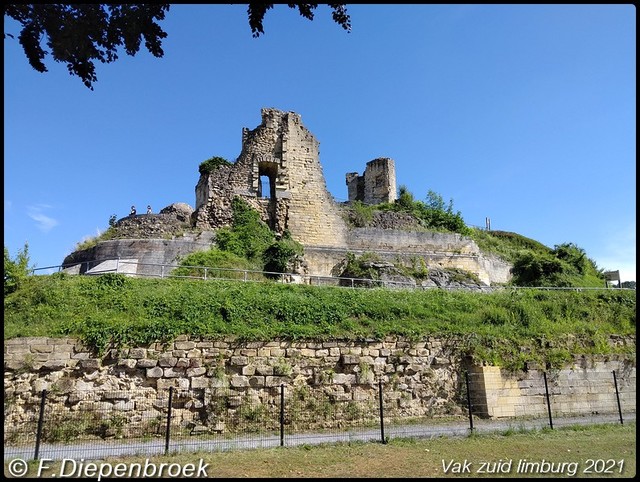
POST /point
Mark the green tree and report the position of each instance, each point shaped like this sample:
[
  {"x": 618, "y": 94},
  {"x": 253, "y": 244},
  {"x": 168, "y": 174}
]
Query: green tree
[
  {"x": 566, "y": 265},
  {"x": 536, "y": 269},
  {"x": 405, "y": 199},
  {"x": 80, "y": 34},
  {"x": 574, "y": 255},
  {"x": 433, "y": 213},
  {"x": 16, "y": 270},
  {"x": 280, "y": 255}
]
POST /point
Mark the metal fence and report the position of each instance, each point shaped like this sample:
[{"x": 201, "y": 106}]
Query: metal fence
[
  {"x": 98, "y": 424},
  {"x": 166, "y": 271}
]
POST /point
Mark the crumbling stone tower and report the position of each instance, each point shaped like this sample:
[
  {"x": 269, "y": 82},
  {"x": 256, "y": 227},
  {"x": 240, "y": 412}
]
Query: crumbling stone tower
[
  {"x": 377, "y": 184},
  {"x": 279, "y": 173}
]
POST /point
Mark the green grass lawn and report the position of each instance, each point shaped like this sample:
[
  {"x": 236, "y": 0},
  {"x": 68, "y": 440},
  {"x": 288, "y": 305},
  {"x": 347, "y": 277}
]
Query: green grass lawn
[{"x": 602, "y": 451}]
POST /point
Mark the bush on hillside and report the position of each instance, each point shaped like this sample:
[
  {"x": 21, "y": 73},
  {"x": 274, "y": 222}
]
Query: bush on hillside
[
  {"x": 249, "y": 236},
  {"x": 16, "y": 270}
]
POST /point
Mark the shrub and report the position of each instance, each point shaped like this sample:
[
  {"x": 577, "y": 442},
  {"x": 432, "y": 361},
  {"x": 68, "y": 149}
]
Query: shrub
[
  {"x": 280, "y": 255},
  {"x": 248, "y": 236},
  {"x": 433, "y": 213},
  {"x": 362, "y": 214},
  {"x": 213, "y": 163},
  {"x": 191, "y": 264},
  {"x": 16, "y": 270}
]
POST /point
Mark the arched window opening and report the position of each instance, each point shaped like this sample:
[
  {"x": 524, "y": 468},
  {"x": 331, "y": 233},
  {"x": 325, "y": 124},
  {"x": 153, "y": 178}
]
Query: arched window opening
[
  {"x": 264, "y": 187},
  {"x": 267, "y": 172}
]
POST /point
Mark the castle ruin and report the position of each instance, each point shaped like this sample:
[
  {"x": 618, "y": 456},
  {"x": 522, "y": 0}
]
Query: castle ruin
[
  {"x": 377, "y": 184},
  {"x": 278, "y": 173},
  {"x": 283, "y": 155}
]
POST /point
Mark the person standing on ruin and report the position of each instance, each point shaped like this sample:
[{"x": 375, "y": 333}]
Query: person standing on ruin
[
  {"x": 133, "y": 211},
  {"x": 149, "y": 209}
]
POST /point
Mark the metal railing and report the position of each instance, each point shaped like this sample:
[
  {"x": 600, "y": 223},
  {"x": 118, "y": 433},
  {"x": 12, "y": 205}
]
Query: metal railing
[{"x": 165, "y": 271}]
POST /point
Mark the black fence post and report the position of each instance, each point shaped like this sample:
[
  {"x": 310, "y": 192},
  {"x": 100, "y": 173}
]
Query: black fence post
[
  {"x": 384, "y": 440},
  {"x": 282, "y": 415},
  {"x": 168, "y": 433},
  {"x": 40, "y": 421},
  {"x": 466, "y": 377},
  {"x": 546, "y": 390},
  {"x": 615, "y": 383}
]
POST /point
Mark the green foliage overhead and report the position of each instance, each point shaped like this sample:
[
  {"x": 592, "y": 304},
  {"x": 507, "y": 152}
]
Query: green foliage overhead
[
  {"x": 16, "y": 270},
  {"x": 81, "y": 34},
  {"x": 257, "y": 10},
  {"x": 213, "y": 163},
  {"x": 506, "y": 327}
]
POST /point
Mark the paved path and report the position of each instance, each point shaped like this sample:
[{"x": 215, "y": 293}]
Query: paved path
[{"x": 95, "y": 450}]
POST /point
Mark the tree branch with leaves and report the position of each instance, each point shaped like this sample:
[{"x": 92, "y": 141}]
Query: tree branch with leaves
[{"x": 81, "y": 34}]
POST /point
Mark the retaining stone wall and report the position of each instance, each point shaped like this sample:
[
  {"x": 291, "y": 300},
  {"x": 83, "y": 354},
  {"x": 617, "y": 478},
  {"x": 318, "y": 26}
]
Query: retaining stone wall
[{"x": 423, "y": 377}]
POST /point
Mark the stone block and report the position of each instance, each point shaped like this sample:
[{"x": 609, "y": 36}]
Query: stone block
[
  {"x": 137, "y": 353},
  {"x": 155, "y": 372},
  {"x": 196, "y": 372},
  {"x": 239, "y": 360},
  {"x": 167, "y": 361},
  {"x": 184, "y": 345},
  {"x": 90, "y": 364},
  {"x": 173, "y": 372},
  {"x": 350, "y": 359},
  {"x": 238, "y": 381},
  {"x": 200, "y": 382},
  {"x": 146, "y": 363}
]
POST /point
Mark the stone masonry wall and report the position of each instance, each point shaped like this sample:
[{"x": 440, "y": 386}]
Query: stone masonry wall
[
  {"x": 377, "y": 184},
  {"x": 420, "y": 377},
  {"x": 144, "y": 257},
  {"x": 585, "y": 387},
  {"x": 443, "y": 250},
  {"x": 380, "y": 181},
  {"x": 283, "y": 150}
]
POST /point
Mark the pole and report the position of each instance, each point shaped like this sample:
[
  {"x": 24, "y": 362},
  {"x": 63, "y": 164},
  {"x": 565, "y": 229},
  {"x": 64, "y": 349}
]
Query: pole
[
  {"x": 40, "y": 422},
  {"x": 282, "y": 415},
  {"x": 615, "y": 383},
  {"x": 466, "y": 376},
  {"x": 384, "y": 440},
  {"x": 546, "y": 389},
  {"x": 168, "y": 434}
]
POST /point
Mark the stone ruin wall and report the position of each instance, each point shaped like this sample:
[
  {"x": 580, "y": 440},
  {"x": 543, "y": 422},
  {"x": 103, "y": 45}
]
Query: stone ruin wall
[
  {"x": 438, "y": 250},
  {"x": 282, "y": 149},
  {"x": 377, "y": 184},
  {"x": 421, "y": 377}
]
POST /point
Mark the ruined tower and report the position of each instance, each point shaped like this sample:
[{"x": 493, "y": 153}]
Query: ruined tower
[
  {"x": 279, "y": 173},
  {"x": 377, "y": 184}
]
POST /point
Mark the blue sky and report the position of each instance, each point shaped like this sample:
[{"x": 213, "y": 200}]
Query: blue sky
[{"x": 521, "y": 113}]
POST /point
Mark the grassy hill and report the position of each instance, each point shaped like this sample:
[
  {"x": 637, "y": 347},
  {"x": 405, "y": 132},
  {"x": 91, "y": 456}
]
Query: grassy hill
[{"x": 508, "y": 327}]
